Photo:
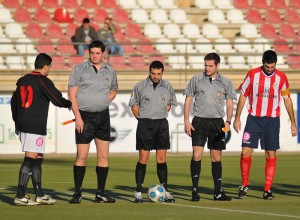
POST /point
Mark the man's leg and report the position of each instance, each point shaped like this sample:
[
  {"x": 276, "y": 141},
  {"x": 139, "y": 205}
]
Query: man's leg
[
  {"x": 195, "y": 168},
  {"x": 102, "y": 171},
  {"x": 245, "y": 165},
  {"x": 270, "y": 170},
  {"x": 80, "y": 50},
  {"x": 79, "y": 171},
  {"x": 24, "y": 176},
  {"x": 140, "y": 173}
]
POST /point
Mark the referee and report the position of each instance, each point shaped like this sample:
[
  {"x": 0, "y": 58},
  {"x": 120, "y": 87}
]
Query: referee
[
  {"x": 211, "y": 92},
  {"x": 150, "y": 102}
]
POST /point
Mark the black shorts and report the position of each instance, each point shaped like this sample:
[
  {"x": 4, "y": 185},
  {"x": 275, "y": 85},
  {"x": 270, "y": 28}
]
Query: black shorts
[
  {"x": 210, "y": 130},
  {"x": 152, "y": 134},
  {"x": 96, "y": 125}
]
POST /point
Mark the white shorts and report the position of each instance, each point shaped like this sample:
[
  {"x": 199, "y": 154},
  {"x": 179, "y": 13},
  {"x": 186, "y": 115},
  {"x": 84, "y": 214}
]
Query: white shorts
[{"x": 32, "y": 142}]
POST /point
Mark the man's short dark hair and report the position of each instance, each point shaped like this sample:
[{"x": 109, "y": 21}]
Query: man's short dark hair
[
  {"x": 213, "y": 56},
  {"x": 42, "y": 60},
  {"x": 97, "y": 44},
  {"x": 86, "y": 20},
  {"x": 269, "y": 56},
  {"x": 156, "y": 65}
]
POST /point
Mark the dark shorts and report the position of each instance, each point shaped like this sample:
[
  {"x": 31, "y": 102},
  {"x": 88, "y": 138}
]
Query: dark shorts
[
  {"x": 152, "y": 134},
  {"x": 210, "y": 130},
  {"x": 96, "y": 125},
  {"x": 263, "y": 129}
]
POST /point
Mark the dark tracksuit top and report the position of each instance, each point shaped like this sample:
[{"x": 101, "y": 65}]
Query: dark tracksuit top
[{"x": 30, "y": 103}]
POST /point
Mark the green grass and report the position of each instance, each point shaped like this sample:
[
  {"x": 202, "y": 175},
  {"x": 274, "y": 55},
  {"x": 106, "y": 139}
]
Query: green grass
[{"x": 58, "y": 182}]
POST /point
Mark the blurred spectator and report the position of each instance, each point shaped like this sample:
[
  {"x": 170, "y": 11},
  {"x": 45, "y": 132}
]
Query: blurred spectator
[
  {"x": 106, "y": 35},
  {"x": 84, "y": 33}
]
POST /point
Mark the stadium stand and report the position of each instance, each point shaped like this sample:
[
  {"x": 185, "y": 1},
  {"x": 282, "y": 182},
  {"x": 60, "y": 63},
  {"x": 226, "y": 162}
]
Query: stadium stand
[
  {"x": 144, "y": 36},
  {"x": 42, "y": 16},
  {"x": 31, "y": 4},
  {"x": 15, "y": 62}
]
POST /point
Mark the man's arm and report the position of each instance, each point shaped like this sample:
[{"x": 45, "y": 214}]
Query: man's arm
[
  {"x": 135, "y": 111},
  {"x": 112, "y": 95},
  {"x": 229, "y": 112},
  {"x": 239, "y": 108},
  {"x": 72, "y": 91},
  {"x": 290, "y": 110},
  {"x": 187, "y": 107}
]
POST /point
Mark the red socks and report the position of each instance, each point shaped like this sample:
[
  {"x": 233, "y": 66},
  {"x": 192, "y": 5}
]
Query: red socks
[
  {"x": 270, "y": 170},
  {"x": 245, "y": 164}
]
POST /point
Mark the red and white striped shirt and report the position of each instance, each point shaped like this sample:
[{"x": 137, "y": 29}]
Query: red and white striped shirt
[{"x": 264, "y": 92}]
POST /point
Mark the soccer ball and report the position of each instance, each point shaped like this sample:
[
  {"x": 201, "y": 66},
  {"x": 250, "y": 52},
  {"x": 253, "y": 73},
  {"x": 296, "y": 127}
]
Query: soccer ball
[{"x": 157, "y": 193}]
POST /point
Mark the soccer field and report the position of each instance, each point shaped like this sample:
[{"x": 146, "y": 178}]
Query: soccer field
[{"x": 58, "y": 182}]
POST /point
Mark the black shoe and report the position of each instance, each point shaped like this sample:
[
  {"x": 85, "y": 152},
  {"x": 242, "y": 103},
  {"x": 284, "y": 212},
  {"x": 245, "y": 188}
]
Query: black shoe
[
  {"x": 222, "y": 197},
  {"x": 243, "y": 190},
  {"x": 268, "y": 195},
  {"x": 195, "y": 196},
  {"x": 104, "y": 197},
  {"x": 76, "y": 199}
]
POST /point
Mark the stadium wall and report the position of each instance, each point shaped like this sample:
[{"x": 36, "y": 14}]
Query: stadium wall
[{"x": 61, "y": 138}]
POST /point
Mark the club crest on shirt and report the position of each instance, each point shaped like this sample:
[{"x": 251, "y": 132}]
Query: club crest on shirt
[
  {"x": 163, "y": 100},
  {"x": 107, "y": 81},
  {"x": 219, "y": 93}
]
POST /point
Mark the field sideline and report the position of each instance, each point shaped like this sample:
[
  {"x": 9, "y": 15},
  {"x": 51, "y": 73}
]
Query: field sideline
[{"x": 58, "y": 182}]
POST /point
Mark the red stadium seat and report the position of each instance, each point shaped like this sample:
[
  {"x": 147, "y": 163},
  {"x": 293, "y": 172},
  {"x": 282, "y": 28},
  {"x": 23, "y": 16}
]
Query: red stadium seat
[
  {"x": 70, "y": 4},
  {"x": 42, "y": 16},
  {"x": 278, "y": 4},
  {"x": 291, "y": 16},
  {"x": 294, "y": 4},
  {"x": 45, "y": 46},
  {"x": 34, "y": 30},
  {"x": 281, "y": 46},
  {"x": 128, "y": 46},
  {"x": 58, "y": 63},
  {"x": 273, "y": 16},
  {"x": 61, "y": 15},
  {"x": 294, "y": 61},
  {"x": 241, "y": 4},
  {"x": 74, "y": 60},
  {"x": 11, "y": 4},
  {"x": 145, "y": 46},
  {"x": 287, "y": 31},
  {"x": 120, "y": 16},
  {"x": 51, "y": 4},
  {"x": 268, "y": 31},
  {"x": 296, "y": 45},
  {"x": 53, "y": 30},
  {"x": 99, "y": 15},
  {"x": 260, "y": 4},
  {"x": 138, "y": 62},
  {"x": 31, "y": 4},
  {"x": 89, "y": 4},
  {"x": 156, "y": 57},
  {"x": 109, "y": 4},
  {"x": 80, "y": 14},
  {"x": 118, "y": 62},
  {"x": 70, "y": 29},
  {"x": 254, "y": 16},
  {"x": 65, "y": 46},
  {"x": 133, "y": 31},
  {"x": 22, "y": 15}
]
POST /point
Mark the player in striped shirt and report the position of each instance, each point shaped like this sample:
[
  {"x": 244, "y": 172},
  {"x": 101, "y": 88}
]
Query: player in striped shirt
[{"x": 263, "y": 86}]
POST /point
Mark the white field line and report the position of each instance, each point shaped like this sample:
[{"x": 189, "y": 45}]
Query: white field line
[{"x": 234, "y": 210}]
